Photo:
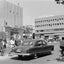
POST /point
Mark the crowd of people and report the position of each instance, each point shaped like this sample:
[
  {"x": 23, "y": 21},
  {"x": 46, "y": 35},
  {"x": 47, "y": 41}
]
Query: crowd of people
[
  {"x": 11, "y": 43},
  {"x": 2, "y": 45}
]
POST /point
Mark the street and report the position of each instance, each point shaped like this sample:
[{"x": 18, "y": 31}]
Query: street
[
  {"x": 43, "y": 59},
  {"x": 31, "y": 27}
]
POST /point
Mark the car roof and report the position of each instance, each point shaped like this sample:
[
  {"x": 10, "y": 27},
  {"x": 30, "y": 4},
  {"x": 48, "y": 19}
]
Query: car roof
[{"x": 32, "y": 40}]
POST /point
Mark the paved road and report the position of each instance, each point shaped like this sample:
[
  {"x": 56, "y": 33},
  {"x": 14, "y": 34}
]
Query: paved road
[{"x": 47, "y": 59}]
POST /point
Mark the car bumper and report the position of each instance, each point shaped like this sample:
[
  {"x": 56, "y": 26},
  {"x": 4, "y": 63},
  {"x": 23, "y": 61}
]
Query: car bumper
[{"x": 23, "y": 54}]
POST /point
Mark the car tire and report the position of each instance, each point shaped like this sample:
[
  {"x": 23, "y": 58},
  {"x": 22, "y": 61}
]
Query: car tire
[
  {"x": 35, "y": 55},
  {"x": 62, "y": 52},
  {"x": 49, "y": 52},
  {"x": 20, "y": 56}
]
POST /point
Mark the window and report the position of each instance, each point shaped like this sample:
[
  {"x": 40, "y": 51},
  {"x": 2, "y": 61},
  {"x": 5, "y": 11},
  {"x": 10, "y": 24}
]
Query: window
[
  {"x": 41, "y": 20},
  {"x": 59, "y": 29},
  {"x": 37, "y": 31},
  {"x": 49, "y": 24},
  {"x": 62, "y": 18},
  {"x": 37, "y": 25},
  {"x": 53, "y": 19},
  {"x": 43, "y": 25},
  {"x": 44, "y": 20},
  {"x": 59, "y": 18},
  {"x": 53, "y": 24},
  {"x": 40, "y": 43},
  {"x": 41, "y": 30},
  {"x": 60, "y": 23},
  {"x": 57, "y": 23},
  {"x": 48, "y": 20},
  {"x": 36, "y": 21}
]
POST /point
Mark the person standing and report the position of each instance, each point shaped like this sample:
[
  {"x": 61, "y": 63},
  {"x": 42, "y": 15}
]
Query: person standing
[
  {"x": 2, "y": 47},
  {"x": 12, "y": 42}
]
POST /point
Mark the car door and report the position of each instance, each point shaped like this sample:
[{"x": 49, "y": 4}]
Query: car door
[
  {"x": 45, "y": 47},
  {"x": 38, "y": 46}
]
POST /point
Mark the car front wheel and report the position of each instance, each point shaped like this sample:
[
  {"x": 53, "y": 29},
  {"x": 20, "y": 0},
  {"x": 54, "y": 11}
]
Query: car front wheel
[
  {"x": 20, "y": 56},
  {"x": 49, "y": 52},
  {"x": 35, "y": 55}
]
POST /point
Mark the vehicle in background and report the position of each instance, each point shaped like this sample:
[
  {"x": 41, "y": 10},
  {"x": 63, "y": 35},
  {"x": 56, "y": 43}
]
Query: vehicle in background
[
  {"x": 50, "y": 40},
  {"x": 2, "y": 37},
  {"x": 33, "y": 47},
  {"x": 62, "y": 45}
]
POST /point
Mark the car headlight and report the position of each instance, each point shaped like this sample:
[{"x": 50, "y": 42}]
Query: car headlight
[
  {"x": 18, "y": 50},
  {"x": 31, "y": 43}
]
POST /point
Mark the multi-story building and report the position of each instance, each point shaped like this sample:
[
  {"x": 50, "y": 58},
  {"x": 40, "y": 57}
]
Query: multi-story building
[
  {"x": 50, "y": 26},
  {"x": 10, "y": 14}
]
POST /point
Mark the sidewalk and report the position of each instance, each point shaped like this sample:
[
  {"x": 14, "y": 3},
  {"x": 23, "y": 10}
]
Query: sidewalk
[{"x": 4, "y": 57}]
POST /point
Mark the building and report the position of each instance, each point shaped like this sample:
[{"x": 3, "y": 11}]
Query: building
[
  {"x": 50, "y": 26},
  {"x": 28, "y": 31},
  {"x": 10, "y": 15},
  {"x": 11, "y": 31}
]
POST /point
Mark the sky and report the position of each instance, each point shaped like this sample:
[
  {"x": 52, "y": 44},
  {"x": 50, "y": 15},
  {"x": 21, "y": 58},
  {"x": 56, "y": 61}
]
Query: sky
[{"x": 33, "y": 9}]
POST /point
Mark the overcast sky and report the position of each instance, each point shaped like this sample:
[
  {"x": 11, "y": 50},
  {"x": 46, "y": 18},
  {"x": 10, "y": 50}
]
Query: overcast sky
[{"x": 33, "y": 9}]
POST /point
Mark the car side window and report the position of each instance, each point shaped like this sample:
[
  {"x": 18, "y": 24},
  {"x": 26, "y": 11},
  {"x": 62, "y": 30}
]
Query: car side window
[
  {"x": 39, "y": 43},
  {"x": 44, "y": 43}
]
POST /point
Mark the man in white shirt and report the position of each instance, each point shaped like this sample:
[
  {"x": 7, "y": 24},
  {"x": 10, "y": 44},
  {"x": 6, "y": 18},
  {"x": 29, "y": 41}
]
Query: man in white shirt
[{"x": 12, "y": 42}]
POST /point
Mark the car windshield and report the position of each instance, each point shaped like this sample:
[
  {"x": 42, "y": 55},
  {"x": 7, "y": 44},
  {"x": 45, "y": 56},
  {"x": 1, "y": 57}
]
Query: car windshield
[
  {"x": 28, "y": 43},
  {"x": 40, "y": 42}
]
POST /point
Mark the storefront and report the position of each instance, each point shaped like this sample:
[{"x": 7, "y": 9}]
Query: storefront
[{"x": 13, "y": 30}]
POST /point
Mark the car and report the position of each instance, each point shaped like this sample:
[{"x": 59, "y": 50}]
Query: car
[
  {"x": 62, "y": 46},
  {"x": 33, "y": 47},
  {"x": 51, "y": 40}
]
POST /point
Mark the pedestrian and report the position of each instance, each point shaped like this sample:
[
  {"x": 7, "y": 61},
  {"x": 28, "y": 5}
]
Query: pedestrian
[
  {"x": 2, "y": 47},
  {"x": 17, "y": 42},
  {"x": 5, "y": 42},
  {"x": 0, "y": 44},
  {"x": 11, "y": 44}
]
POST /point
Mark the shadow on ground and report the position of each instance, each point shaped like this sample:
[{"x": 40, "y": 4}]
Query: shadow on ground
[
  {"x": 27, "y": 58},
  {"x": 60, "y": 59}
]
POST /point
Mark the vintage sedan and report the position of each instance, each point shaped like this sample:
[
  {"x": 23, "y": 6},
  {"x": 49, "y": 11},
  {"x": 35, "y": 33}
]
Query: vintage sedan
[{"x": 33, "y": 47}]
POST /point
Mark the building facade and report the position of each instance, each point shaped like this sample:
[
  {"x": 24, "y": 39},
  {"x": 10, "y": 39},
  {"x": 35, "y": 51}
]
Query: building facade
[
  {"x": 10, "y": 14},
  {"x": 50, "y": 26},
  {"x": 11, "y": 31}
]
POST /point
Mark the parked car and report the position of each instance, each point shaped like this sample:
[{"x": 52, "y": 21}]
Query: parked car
[
  {"x": 33, "y": 47},
  {"x": 50, "y": 40},
  {"x": 62, "y": 46}
]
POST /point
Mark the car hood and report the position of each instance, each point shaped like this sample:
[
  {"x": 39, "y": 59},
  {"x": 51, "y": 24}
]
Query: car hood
[{"x": 23, "y": 48}]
